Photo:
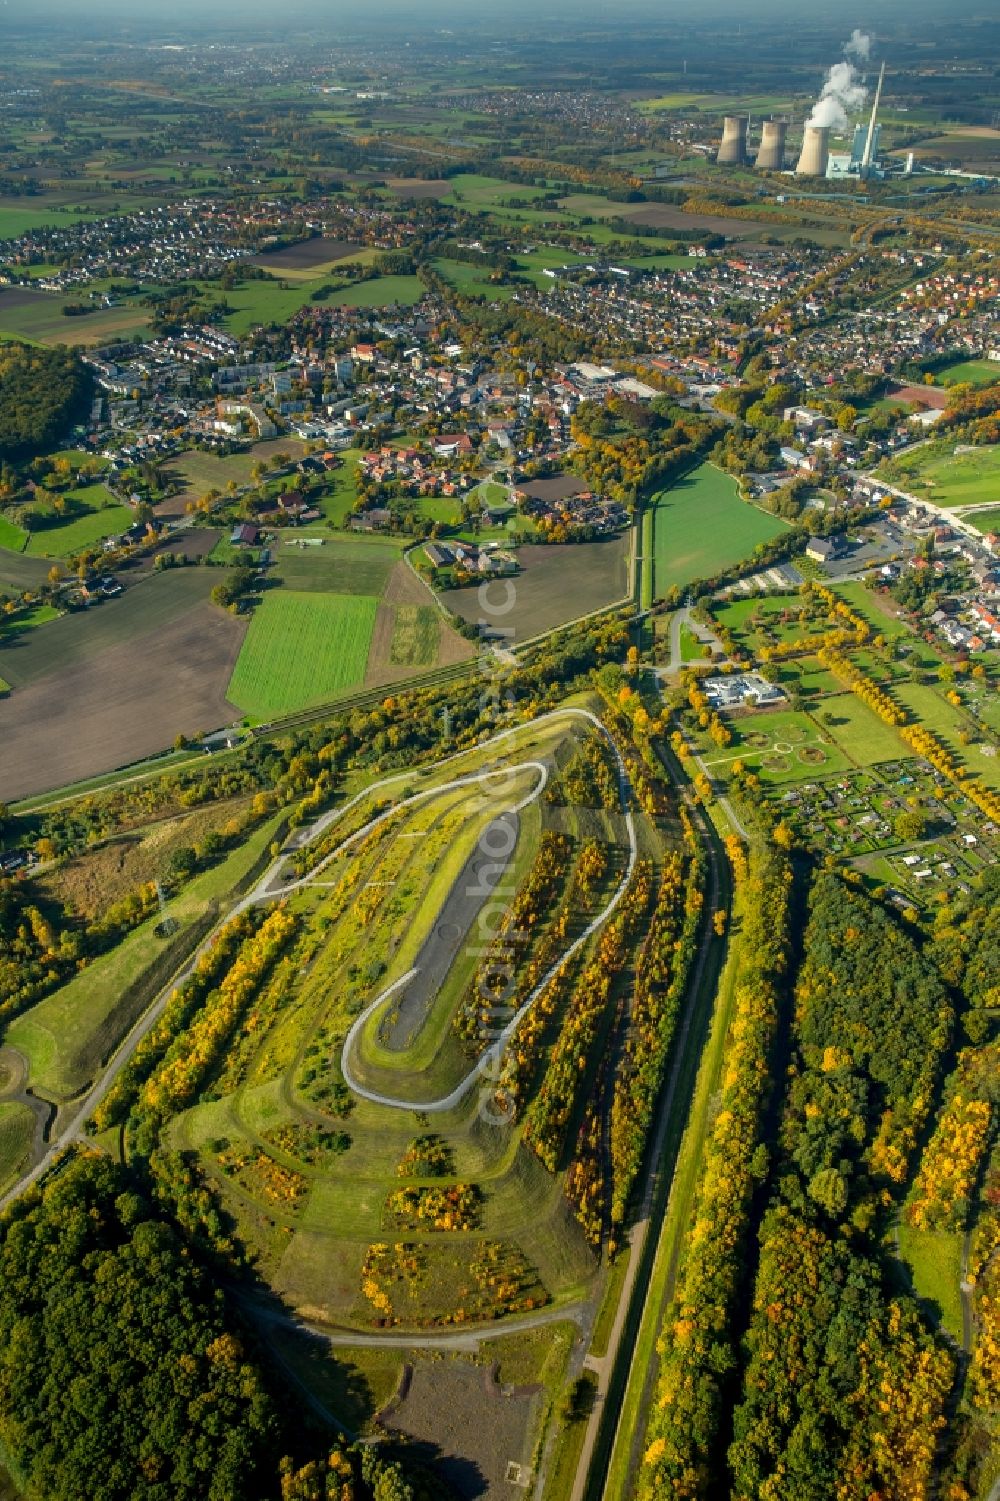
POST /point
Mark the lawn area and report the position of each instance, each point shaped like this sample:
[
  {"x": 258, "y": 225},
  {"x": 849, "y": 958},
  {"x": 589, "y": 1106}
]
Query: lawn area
[
  {"x": 875, "y": 608},
  {"x": 934, "y": 1258},
  {"x": 984, "y": 521},
  {"x": 970, "y": 372},
  {"x": 937, "y": 473},
  {"x": 700, "y": 525},
  {"x": 301, "y": 649},
  {"x": 444, "y": 509},
  {"x": 785, "y": 745},
  {"x": 26, "y": 620},
  {"x": 380, "y": 292},
  {"x": 92, "y": 513},
  {"x": 340, "y": 489},
  {"x": 12, "y": 537},
  {"x": 858, "y": 730}
]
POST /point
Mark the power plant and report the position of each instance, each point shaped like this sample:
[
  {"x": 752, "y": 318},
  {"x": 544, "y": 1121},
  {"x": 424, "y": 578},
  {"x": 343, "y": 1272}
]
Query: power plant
[
  {"x": 733, "y": 149},
  {"x": 771, "y": 156},
  {"x": 843, "y": 93},
  {"x": 815, "y": 152}
]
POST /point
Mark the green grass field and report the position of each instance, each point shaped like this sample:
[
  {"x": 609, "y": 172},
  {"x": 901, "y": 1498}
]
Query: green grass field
[
  {"x": 930, "y": 707},
  {"x": 472, "y": 280},
  {"x": 701, "y": 525},
  {"x": 934, "y": 1258},
  {"x": 875, "y": 608},
  {"x": 340, "y": 489},
  {"x": 92, "y": 514},
  {"x": 984, "y": 521},
  {"x": 12, "y": 537},
  {"x": 17, "y": 1126},
  {"x": 858, "y": 730},
  {"x": 937, "y": 473},
  {"x": 302, "y": 649},
  {"x": 380, "y": 292},
  {"x": 26, "y": 620},
  {"x": 970, "y": 372},
  {"x": 337, "y": 566}
]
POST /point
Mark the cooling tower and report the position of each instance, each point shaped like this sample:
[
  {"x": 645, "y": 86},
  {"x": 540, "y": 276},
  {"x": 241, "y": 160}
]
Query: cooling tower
[
  {"x": 771, "y": 156},
  {"x": 733, "y": 150},
  {"x": 815, "y": 151}
]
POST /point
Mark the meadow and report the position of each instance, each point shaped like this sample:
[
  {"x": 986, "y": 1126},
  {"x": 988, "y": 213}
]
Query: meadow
[
  {"x": 700, "y": 525},
  {"x": 381, "y": 291},
  {"x": 937, "y": 473},
  {"x": 302, "y": 649},
  {"x": 970, "y": 372},
  {"x": 92, "y": 513}
]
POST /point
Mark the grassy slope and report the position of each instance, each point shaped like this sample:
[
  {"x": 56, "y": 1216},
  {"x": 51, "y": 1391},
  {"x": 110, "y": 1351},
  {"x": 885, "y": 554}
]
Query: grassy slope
[{"x": 66, "y": 1034}]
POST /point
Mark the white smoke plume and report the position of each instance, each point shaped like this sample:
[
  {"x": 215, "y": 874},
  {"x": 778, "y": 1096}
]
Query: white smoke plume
[
  {"x": 859, "y": 44},
  {"x": 843, "y": 92}
]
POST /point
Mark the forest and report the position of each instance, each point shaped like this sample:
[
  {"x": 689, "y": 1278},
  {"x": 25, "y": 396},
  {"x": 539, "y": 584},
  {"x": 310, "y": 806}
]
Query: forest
[
  {"x": 42, "y": 391},
  {"x": 125, "y": 1375}
]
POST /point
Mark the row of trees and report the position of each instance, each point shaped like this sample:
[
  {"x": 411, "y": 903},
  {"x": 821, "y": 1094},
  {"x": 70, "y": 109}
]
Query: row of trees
[
  {"x": 552, "y": 1110},
  {"x": 699, "y": 1338},
  {"x": 662, "y": 971}
]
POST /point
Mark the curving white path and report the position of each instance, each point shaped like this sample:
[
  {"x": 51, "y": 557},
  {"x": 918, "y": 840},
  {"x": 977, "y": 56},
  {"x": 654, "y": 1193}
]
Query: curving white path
[{"x": 489, "y": 1061}]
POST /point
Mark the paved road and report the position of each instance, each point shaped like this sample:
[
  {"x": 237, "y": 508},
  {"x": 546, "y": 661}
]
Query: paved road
[{"x": 681, "y": 618}]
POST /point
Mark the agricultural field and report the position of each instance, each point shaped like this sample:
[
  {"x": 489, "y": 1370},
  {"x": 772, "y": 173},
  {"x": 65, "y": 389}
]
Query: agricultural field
[
  {"x": 700, "y": 525},
  {"x": 301, "y": 649},
  {"x": 95, "y": 691},
  {"x": 556, "y": 585},
  {"x": 338, "y": 614},
  {"x": 939, "y": 473},
  {"x": 38, "y": 317}
]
